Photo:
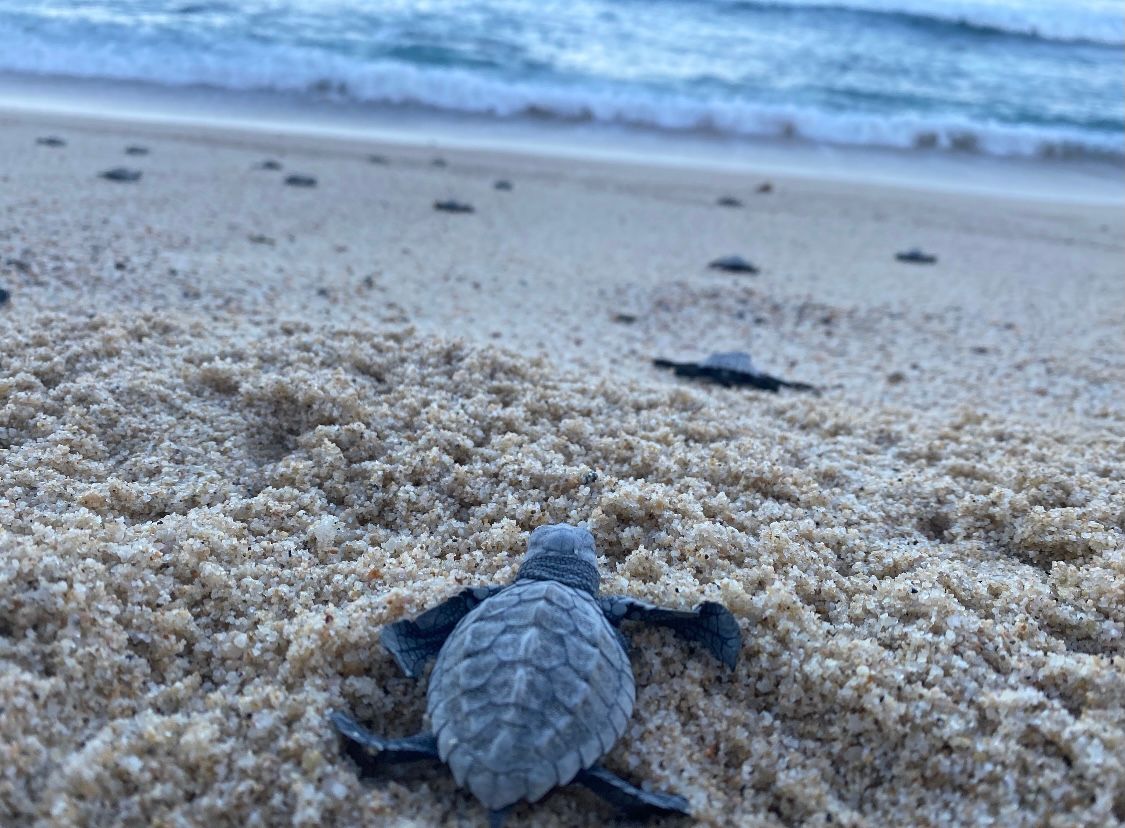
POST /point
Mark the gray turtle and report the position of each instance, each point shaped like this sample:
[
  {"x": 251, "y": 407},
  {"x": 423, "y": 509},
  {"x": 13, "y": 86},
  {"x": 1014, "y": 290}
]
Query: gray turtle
[
  {"x": 532, "y": 684},
  {"x": 730, "y": 369},
  {"x": 733, "y": 264},
  {"x": 123, "y": 174},
  {"x": 453, "y": 206},
  {"x": 298, "y": 180},
  {"x": 916, "y": 255}
]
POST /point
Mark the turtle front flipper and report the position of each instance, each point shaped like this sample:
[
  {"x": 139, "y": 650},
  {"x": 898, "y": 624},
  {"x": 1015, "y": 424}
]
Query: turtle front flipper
[
  {"x": 632, "y": 801},
  {"x": 414, "y": 642},
  {"x": 370, "y": 751},
  {"x": 710, "y": 623}
]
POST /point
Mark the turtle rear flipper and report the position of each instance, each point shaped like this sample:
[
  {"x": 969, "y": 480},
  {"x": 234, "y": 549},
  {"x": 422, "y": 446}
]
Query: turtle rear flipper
[
  {"x": 632, "y": 801},
  {"x": 370, "y": 751}
]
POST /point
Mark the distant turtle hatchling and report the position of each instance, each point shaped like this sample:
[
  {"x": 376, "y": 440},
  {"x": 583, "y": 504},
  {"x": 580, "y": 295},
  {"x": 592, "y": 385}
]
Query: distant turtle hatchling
[
  {"x": 453, "y": 206},
  {"x": 730, "y": 369},
  {"x": 122, "y": 174},
  {"x": 532, "y": 684},
  {"x": 733, "y": 264},
  {"x": 916, "y": 256}
]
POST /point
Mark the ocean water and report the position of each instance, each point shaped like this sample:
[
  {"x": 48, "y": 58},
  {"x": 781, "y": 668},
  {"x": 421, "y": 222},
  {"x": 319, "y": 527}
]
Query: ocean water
[{"x": 1002, "y": 77}]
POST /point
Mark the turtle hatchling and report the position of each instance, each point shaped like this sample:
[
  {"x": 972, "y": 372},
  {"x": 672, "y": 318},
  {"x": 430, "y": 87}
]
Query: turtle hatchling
[
  {"x": 532, "y": 684},
  {"x": 730, "y": 369}
]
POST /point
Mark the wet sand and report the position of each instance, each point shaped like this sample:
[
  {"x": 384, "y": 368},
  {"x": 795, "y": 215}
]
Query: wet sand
[{"x": 246, "y": 424}]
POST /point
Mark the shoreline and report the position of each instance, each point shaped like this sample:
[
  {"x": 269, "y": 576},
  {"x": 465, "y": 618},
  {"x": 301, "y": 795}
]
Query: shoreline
[{"x": 1080, "y": 181}]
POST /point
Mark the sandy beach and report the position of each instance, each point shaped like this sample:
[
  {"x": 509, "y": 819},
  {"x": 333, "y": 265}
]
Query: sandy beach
[{"x": 245, "y": 424}]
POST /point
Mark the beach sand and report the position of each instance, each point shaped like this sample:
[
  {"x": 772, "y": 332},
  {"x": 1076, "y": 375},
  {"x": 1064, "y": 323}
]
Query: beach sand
[{"x": 244, "y": 425}]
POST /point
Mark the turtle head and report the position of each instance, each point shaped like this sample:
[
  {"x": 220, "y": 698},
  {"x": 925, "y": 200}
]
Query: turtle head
[{"x": 561, "y": 553}]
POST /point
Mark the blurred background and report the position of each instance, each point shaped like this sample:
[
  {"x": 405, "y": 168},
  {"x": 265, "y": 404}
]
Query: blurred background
[{"x": 1039, "y": 78}]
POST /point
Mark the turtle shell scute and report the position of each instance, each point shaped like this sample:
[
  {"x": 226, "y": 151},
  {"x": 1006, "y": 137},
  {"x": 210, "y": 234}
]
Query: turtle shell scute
[{"x": 549, "y": 695}]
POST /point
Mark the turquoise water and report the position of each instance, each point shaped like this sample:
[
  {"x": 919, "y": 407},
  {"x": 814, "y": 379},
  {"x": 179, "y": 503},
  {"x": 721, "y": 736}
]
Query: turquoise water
[{"x": 1004, "y": 77}]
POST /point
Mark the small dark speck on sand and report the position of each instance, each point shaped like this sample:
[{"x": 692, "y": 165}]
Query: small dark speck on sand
[
  {"x": 979, "y": 349},
  {"x": 502, "y": 184},
  {"x": 590, "y": 477},
  {"x": 377, "y": 159},
  {"x": 729, "y": 201},
  {"x": 136, "y": 150},
  {"x": 765, "y": 187},
  {"x": 300, "y": 181},
  {"x": 624, "y": 318},
  {"x": 439, "y": 162},
  {"x": 50, "y": 141},
  {"x": 269, "y": 164},
  {"x": 451, "y": 206},
  {"x": 916, "y": 256},
  {"x": 259, "y": 238},
  {"x": 733, "y": 264},
  {"x": 4, "y": 297},
  {"x": 123, "y": 174}
]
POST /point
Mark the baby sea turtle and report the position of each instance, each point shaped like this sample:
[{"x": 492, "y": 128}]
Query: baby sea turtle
[
  {"x": 123, "y": 174},
  {"x": 532, "y": 684},
  {"x": 728, "y": 369},
  {"x": 916, "y": 256},
  {"x": 298, "y": 180},
  {"x": 733, "y": 264},
  {"x": 453, "y": 206}
]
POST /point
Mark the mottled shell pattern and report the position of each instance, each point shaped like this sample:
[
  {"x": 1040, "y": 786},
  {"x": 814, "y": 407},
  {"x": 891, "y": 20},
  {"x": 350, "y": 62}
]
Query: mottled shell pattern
[{"x": 532, "y": 686}]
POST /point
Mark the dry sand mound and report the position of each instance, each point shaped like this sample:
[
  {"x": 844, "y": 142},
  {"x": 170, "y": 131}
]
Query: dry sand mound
[{"x": 203, "y": 530}]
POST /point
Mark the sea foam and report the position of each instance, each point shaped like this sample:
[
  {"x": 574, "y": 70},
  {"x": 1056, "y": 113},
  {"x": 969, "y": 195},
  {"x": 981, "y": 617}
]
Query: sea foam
[{"x": 990, "y": 76}]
